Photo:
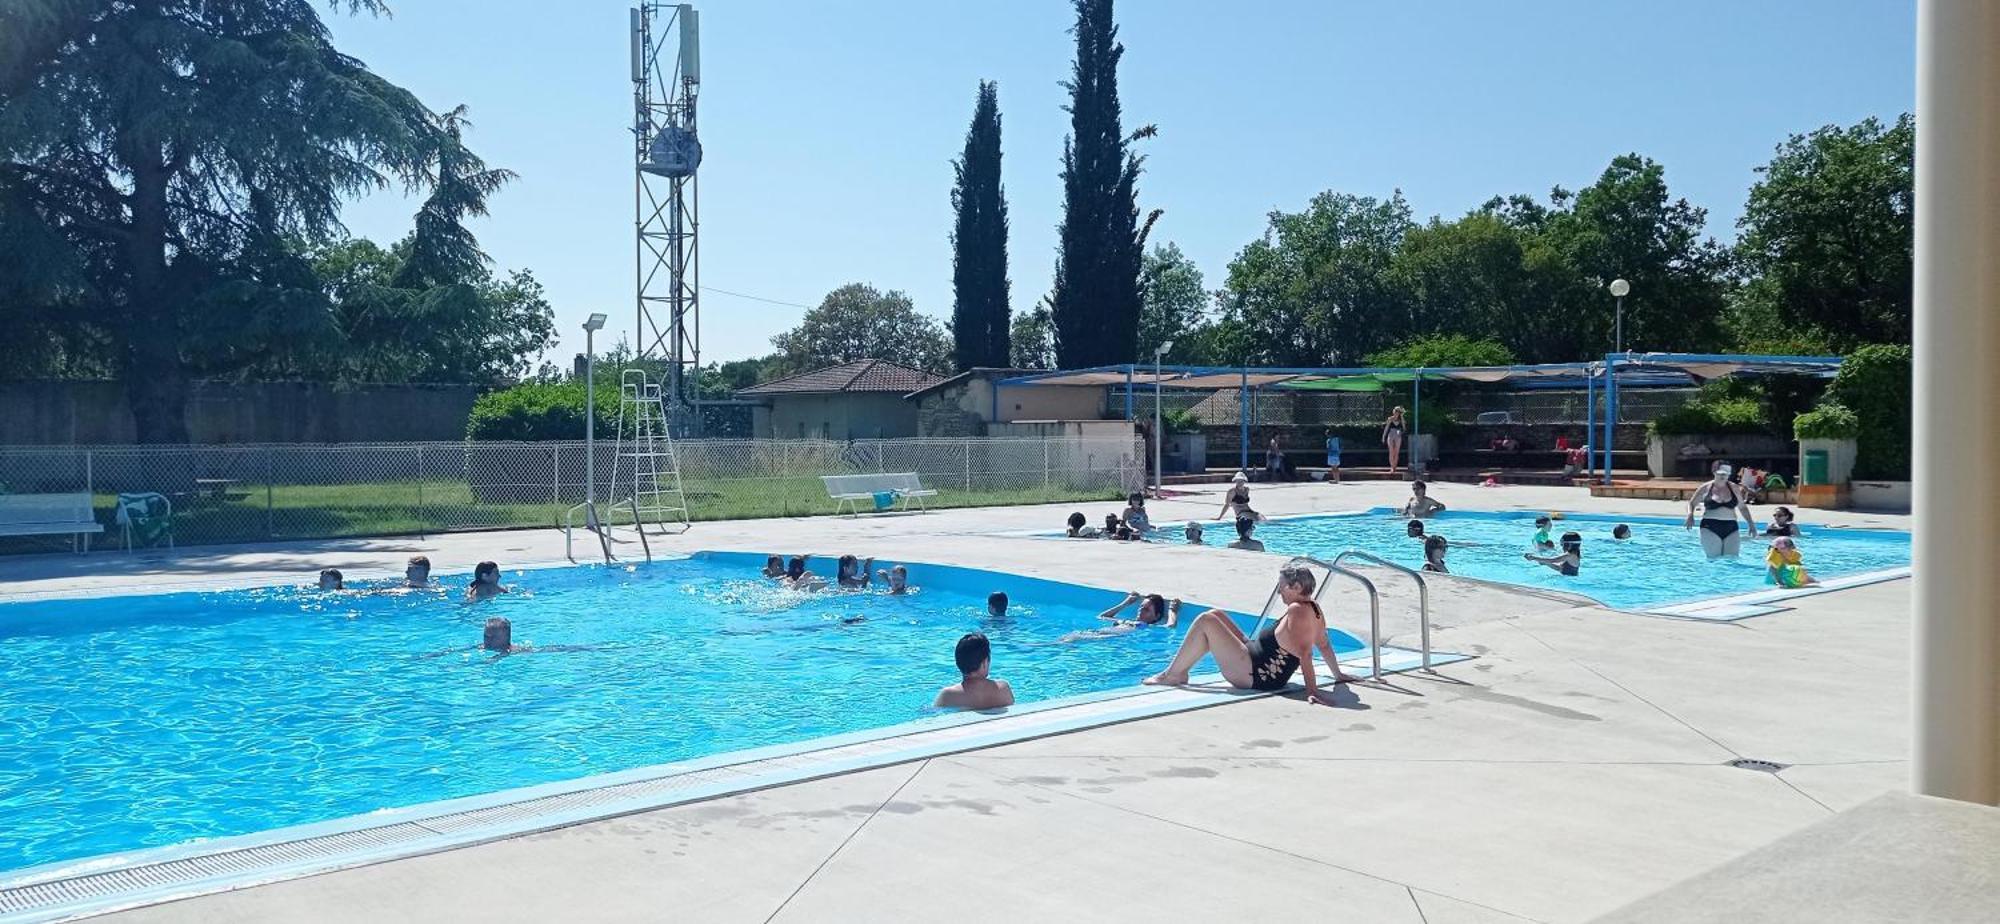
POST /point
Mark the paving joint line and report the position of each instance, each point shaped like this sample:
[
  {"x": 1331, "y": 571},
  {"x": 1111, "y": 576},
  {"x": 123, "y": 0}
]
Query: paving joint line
[
  {"x": 1628, "y": 691},
  {"x": 1218, "y": 835},
  {"x": 851, "y": 835}
]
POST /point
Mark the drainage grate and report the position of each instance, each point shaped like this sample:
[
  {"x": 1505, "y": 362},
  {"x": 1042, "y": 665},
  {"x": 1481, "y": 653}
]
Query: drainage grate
[{"x": 1761, "y": 766}]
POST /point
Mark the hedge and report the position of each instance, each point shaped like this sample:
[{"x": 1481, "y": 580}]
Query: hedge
[{"x": 1874, "y": 381}]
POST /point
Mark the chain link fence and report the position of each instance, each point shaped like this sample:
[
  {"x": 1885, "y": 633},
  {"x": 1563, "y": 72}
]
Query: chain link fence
[{"x": 269, "y": 492}]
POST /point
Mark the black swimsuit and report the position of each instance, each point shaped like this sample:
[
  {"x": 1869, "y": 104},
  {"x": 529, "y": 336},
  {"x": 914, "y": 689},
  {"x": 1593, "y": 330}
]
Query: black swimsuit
[
  {"x": 1271, "y": 666},
  {"x": 1722, "y": 528},
  {"x": 1779, "y": 529}
]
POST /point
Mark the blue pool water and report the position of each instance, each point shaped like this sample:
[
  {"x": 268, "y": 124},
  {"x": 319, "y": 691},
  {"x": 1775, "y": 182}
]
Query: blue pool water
[
  {"x": 1662, "y": 563},
  {"x": 137, "y": 721}
]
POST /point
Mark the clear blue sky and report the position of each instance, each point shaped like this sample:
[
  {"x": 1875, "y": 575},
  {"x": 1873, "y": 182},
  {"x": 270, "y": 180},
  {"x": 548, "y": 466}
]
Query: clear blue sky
[{"x": 829, "y": 127}]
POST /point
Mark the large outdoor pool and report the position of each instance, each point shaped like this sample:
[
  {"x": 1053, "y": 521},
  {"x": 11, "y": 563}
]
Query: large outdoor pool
[
  {"x": 137, "y": 721},
  {"x": 1662, "y": 563}
]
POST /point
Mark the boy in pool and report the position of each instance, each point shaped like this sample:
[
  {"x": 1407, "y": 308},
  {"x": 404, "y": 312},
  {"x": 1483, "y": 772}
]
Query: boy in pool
[
  {"x": 330, "y": 579},
  {"x": 798, "y": 578},
  {"x": 774, "y": 567},
  {"x": 1568, "y": 561},
  {"x": 1415, "y": 530},
  {"x": 1621, "y": 532},
  {"x": 1111, "y": 527},
  {"x": 898, "y": 579},
  {"x": 1422, "y": 504},
  {"x": 996, "y": 605},
  {"x": 1079, "y": 527},
  {"x": 974, "y": 689},
  {"x": 1193, "y": 533},
  {"x": 1542, "y": 541},
  {"x": 417, "y": 572},
  {"x": 1434, "y": 549}
]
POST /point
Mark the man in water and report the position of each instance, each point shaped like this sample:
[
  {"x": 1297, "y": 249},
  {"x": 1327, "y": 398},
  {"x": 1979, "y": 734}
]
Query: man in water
[
  {"x": 996, "y": 605},
  {"x": 1244, "y": 525},
  {"x": 330, "y": 579},
  {"x": 1422, "y": 504},
  {"x": 975, "y": 690},
  {"x": 499, "y": 636},
  {"x": 418, "y": 572}
]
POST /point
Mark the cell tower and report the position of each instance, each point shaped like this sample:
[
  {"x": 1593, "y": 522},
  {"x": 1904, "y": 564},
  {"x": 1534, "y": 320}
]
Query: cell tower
[{"x": 666, "y": 75}]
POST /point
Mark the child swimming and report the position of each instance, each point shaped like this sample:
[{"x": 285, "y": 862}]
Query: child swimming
[
  {"x": 1784, "y": 566},
  {"x": 1434, "y": 549},
  {"x": 1568, "y": 561},
  {"x": 1542, "y": 540}
]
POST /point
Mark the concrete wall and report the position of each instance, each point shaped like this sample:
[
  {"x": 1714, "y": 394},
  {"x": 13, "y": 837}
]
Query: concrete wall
[
  {"x": 966, "y": 407},
  {"x": 96, "y": 413},
  {"x": 841, "y": 417}
]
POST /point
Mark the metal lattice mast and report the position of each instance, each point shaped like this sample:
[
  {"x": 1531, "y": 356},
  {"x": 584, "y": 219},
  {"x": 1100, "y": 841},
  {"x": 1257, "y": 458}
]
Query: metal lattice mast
[{"x": 666, "y": 76}]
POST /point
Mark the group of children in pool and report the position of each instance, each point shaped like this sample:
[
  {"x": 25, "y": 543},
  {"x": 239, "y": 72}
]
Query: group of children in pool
[{"x": 498, "y": 633}]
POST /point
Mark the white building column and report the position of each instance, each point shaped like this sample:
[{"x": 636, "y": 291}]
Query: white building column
[{"x": 1957, "y": 437}]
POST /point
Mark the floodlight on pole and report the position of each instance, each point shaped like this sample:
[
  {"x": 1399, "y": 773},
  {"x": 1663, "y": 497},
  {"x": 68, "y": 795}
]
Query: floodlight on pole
[
  {"x": 1159, "y": 436},
  {"x": 1619, "y": 289},
  {"x": 591, "y": 326}
]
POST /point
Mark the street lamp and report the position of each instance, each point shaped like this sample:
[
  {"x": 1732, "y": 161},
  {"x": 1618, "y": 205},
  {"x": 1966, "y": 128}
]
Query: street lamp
[
  {"x": 591, "y": 326},
  {"x": 1619, "y": 288},
  {"x": 1159, "y": 437}
]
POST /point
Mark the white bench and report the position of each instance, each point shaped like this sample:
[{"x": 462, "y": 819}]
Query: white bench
[
  {"x": 49, "y": 515},
  {"x": 851, "y": 490}
]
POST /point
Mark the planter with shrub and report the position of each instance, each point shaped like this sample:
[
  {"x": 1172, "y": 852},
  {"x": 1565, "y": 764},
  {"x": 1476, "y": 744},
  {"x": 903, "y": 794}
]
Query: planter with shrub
[{"x": 1707, "y": 430}]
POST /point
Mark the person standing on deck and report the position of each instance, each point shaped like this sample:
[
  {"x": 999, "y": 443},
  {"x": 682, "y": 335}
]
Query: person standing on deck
[{"x": 1392, "y": 438}]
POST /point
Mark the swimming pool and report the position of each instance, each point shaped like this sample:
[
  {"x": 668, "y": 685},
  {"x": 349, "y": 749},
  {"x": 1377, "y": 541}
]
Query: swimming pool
[
  {"x": 138, "y": 721},
  {"x": 1662, "y": 563}
]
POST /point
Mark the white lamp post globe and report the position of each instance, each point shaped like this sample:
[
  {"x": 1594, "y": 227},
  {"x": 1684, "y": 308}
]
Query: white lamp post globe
[{"x": 1620, "y": 288}]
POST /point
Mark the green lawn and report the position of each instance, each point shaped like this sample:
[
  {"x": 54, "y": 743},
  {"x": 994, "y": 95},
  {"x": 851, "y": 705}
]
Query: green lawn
[{"x": 256, "y": 512}]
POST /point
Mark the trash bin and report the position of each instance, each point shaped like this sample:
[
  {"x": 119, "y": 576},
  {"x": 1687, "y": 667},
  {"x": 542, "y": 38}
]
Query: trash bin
[{"x": 1815, "y": 470}]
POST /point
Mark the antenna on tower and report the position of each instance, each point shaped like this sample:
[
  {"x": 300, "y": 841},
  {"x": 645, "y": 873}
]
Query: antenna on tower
[{"x": 666, "y": 78}]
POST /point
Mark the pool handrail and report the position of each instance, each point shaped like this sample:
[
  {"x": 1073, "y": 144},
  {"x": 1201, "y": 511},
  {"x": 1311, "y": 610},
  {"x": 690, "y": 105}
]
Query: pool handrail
[
  {"x": 1374, "y": 607},
  {"x": 1423, "y": 593},
  {"x": 569, "y": 532},
  {"x": 639, "y": 526}
]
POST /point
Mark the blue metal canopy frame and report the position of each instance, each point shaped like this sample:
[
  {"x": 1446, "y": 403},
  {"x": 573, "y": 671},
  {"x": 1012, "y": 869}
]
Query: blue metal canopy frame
[{"x": 1615, "y": 369}]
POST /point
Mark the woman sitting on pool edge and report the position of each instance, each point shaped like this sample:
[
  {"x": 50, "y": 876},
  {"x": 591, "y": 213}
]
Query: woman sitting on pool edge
[
  {"x": 1238, "y": 498},
  {"x": 485, "y": 583},
  {"x": 1565, "y": 562},
  {"x": 1268, "y": 660}
]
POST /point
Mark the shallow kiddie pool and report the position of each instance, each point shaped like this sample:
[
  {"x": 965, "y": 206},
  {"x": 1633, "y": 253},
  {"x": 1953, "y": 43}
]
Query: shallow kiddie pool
[{"x": 138, "y": 721}]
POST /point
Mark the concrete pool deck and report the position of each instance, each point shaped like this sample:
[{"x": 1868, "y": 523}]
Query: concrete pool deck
[{"x": 1577, "y": 765}]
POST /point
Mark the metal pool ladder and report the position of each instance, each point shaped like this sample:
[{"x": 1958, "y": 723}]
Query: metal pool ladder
[
  {"x": 1374, "y": 602},
  {"x": 603, "y": 530},
  {"x": 1423, "y": 594}
]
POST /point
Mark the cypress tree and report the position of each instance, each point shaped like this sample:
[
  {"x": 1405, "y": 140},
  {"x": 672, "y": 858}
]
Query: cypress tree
[
  {"x": 1097, "y": 296},
  {"x": 979, "y": 314}
]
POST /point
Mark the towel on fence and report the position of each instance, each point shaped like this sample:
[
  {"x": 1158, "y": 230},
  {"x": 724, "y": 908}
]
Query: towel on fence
[{"x": 885, "y": 500}]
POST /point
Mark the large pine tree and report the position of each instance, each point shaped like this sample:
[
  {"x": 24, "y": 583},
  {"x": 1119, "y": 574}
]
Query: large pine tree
[
  {"x": 979, "y": 314},
  {"x": 1097, "y": 297}
]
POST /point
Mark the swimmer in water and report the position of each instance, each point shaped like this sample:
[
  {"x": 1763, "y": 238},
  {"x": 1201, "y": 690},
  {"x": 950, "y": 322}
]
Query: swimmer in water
[
  {"x": 1621, "y": 532},
  {"x": 1154, "y": 610},
  {"x": 1415, "y": 530},
  {"x": 1542, "y": 541},
  {"x": 330, "y": 579},
  {"x": 1565, "y": 563},
  {"x": 485, "y": 583},
  {"x": 1079, "y": 527},
  {"x": 1434, "y": 549},
  {"x": 774, "y": 567},
  {"x": 798, "y": 578},
  {"x": 417, "y": 573},
  {"x": 852, "y": 572},
  {"x": 898, "y": 579}
]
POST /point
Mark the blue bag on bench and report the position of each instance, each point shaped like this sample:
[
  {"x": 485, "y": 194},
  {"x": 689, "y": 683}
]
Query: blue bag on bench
[{"x": 885, "y": 500}]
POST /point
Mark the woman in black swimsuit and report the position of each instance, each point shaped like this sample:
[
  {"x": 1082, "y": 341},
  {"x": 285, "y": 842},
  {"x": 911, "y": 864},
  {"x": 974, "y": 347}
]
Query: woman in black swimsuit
[
  {"x": 1267, "y": 660},
  {"x": 1392, "y": 437},
  {"x": 1721, "y": 502},
  {"x": 1782, "y": 525}
]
